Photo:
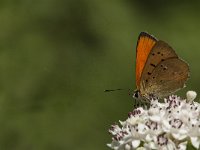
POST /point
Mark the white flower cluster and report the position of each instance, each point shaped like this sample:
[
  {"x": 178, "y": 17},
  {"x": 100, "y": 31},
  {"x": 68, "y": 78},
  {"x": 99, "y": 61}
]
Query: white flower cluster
[{"x": 165, "y": 126}]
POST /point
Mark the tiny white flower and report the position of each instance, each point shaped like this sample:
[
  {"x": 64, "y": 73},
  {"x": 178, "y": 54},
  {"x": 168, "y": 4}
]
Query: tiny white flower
[
  {"x": 168, "y": 125},
  {"x": 191, "y": 95},
  {"x": 163, "y": 142},
  {"x": 135, "y": 143}
]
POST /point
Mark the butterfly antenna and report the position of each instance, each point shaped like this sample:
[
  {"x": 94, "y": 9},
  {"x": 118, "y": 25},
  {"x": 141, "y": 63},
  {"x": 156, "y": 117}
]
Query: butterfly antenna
[{"x": 113, "y": 90}]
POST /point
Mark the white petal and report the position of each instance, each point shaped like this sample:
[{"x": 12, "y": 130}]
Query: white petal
[
  {"x": 133, "y": 120},
  {"x": 166, "y": 126},
  {"x": 148, "y": 138},
  {"x": 191, "y": 95},
  {"x": 171, "y": 145},
  {"x": 151, "y": 145},
  {"x": 179, "y": 136},
  {"x": 155, "y": 118},
  {"x": 122, "y": 122},
  {"x": 135, "y": 143},
  {"x": 182, "y": 131},
  {"x": 195, "y": 142},
  {"x": 109, "y": 145},
  {"x": 121, "y": 142},
  {"x": 194, "y": 121},
  {"x": 153, "y": 111},
  {"x": 141, "y": 148},
  {"x": 182, "y": 146},
  {"x": 116, "y": 148},
  {"x": 141, "y": 128},
  {"x": 127, "y": 147}
]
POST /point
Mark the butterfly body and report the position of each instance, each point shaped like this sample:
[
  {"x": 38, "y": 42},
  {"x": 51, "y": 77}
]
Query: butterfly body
[{"x": 159, "y": 70}]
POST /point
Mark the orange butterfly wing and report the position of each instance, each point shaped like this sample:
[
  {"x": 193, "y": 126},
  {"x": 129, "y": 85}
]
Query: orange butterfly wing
[{"x": 144, "y": 45}]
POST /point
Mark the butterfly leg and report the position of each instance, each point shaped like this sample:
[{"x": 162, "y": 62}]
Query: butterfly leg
[{"x": 140, "y": 103}]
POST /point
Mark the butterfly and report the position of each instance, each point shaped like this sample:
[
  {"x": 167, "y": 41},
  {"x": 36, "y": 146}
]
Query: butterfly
[{"x": 159, "y": 70}]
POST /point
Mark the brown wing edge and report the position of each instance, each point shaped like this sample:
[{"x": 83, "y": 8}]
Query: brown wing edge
[{"x": 146, "y": 34}]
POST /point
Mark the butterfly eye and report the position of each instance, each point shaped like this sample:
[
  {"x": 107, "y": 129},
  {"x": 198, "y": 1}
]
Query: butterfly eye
[{"x": 136, "y": 94}]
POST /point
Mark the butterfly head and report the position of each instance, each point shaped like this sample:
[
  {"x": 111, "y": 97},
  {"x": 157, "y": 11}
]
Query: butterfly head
[
  {"x": 136, "y": 94},
  {"x": 143, "y": 98}
]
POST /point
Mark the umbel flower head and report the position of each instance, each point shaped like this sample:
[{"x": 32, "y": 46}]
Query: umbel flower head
[{"x": 170, "y": 125}]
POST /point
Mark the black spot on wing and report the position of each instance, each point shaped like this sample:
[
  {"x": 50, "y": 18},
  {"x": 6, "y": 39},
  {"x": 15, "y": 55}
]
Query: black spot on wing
[{"x": 153, "y": 65}]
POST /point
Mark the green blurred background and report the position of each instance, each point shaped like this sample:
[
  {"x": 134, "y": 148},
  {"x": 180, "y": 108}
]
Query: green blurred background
[{"x": 57, "y": 57}]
